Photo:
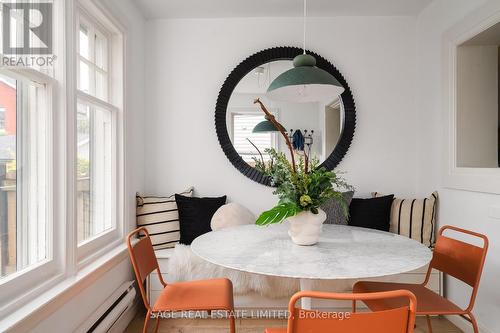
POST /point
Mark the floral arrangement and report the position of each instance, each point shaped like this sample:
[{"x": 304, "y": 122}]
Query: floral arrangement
[{"x": 300, "y": 187}]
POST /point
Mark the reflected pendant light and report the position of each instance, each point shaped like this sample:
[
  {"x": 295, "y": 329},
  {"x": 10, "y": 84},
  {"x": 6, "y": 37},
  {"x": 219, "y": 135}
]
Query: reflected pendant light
[
  {"x": 305, "y": 82},
  {"x": 265, "y": 126}
]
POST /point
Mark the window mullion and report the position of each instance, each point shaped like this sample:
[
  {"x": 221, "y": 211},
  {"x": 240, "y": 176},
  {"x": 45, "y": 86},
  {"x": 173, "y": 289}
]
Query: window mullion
[
  {"x": 92, "y": 100},
  {"x": 92, "y": 74},
  {"x": 21, "y": 182},
  {"x": 92, "y": 187}
]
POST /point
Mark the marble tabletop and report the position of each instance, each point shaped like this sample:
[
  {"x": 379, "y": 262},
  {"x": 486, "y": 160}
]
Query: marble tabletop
[{"x": 343, "y": 252}]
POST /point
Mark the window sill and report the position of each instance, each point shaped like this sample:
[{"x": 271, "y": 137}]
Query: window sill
[
  {"x": 48, "y": 302},
  {"x": 484, "y": 180}
]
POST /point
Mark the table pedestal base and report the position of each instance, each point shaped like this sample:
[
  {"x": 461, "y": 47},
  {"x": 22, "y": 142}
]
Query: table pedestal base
[{"x": 306, "y": 285}]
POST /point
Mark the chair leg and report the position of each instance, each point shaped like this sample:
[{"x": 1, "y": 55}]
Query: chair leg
[
  {"x": 429, "y": 324},
  {"x": 474, "y": 323},
  {"x": 232, "y": 324},
  {"x": 146, "y": 322},
  {"x": 353, "y": 306},
  {"x": 157, "y": 325}
]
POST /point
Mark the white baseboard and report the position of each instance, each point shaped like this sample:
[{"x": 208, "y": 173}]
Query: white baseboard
[{"x": 464, "y": 325}]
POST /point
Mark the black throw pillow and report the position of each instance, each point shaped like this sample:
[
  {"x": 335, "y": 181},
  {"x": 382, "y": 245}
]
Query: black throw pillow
[
  {"x": 195, "y": 215},
  {"x": 374, "y": 213}
]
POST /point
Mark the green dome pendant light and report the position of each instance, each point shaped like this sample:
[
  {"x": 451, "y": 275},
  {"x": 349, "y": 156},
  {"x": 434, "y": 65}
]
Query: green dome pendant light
[
  {"x": 264, "y": 127},
  {"x": 268, "y": 126},
  {"x": 305, "y": 82}
]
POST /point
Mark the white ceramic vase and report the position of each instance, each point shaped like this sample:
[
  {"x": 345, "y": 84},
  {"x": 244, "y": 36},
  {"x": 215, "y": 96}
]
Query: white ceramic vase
[{"x": 305, "y": 227}]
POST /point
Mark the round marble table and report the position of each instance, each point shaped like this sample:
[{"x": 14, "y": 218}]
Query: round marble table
[{"x": 343, "y": 252}]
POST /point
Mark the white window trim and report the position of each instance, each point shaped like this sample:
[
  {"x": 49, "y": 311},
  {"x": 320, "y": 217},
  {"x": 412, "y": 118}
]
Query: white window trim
[
  {"x": 472, "y": 179},
  {"x": 95, "y": 247},
  {"x": 85, "y": 16},
  {"x": 16, "y": 288},
  {"x": 44, "y": 286},
  {"x": 113, "y": 236},
  {"x": 3, "y": 110}
]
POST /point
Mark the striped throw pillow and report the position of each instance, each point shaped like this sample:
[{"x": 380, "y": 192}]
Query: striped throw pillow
[
  {"x": 160, "y": 216},
  {"x": 414, "y": 218}
]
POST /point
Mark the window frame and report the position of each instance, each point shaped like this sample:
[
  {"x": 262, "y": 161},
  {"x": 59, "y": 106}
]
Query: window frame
[
  {"x": 97, "y": 242},
  {"x": 251, "y": 111},
  {"x": 486, "y": 180},
  {"x": 2, "y": 121},
  {"x": 91, "y": 249},
  {"x": 83, "y": 16},
  {"x": 69, "y": 267},
  {"x": 27, "y": 281}
]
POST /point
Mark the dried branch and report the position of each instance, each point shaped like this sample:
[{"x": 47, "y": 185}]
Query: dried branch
[
  {"x": 258, "y": 150},
  {"x": 271, "y": 118}
]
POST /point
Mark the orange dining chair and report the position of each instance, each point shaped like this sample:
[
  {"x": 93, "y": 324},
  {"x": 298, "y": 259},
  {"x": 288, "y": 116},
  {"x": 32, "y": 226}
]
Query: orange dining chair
[
  {"x": 456, "y": 258},
  {"x": 396, "y": 320},
  {"x": 202, "y": 295}
]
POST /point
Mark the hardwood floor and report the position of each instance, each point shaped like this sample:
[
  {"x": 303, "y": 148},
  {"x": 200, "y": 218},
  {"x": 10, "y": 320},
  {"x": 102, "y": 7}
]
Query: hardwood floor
[{"x": 439, "y": 325}]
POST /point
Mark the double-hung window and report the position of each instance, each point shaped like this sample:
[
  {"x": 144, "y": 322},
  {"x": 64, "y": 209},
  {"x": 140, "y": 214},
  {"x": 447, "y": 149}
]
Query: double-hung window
[
  {"x": 26, "y": 201},
  {"x": 61, "y": 159},
  {"x": 28, "y": 158},
  {"x": 98, "y": 103}
]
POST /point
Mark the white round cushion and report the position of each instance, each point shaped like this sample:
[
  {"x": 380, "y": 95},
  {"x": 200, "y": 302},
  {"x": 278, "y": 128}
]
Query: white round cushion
[{"x": 231, "y": 214}]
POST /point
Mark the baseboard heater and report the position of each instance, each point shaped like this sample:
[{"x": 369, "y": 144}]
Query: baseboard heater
[{"x": 106, "y": 317}]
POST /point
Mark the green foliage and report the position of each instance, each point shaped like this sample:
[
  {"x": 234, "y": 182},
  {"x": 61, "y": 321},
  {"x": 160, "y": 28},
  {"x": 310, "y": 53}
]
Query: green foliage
[
  {"x": 277, "y": 214},
  {"x": 83, "y": 167},
  {"x": 277, "y": 168},
  {"x": 261, "y": 165},
  {"x": 301, "y": 190}
]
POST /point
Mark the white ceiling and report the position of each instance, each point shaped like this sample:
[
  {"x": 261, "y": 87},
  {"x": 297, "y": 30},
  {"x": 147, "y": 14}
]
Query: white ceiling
[{"x": 282, "y": 8}]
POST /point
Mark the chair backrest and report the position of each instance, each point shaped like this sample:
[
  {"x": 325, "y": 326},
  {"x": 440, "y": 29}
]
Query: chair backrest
[
  {"x": 461, "y": 260},
  {"x": 143, "y": 260},
  {"x": 398, "y": 320}
]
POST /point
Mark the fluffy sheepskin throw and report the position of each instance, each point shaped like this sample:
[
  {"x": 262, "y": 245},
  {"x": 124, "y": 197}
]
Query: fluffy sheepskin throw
[
  {"x": 231, "y": 214},
  {"x": 185, "y": 265}
]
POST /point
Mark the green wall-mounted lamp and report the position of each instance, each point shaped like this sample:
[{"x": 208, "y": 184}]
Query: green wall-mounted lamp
[{"x": 305, "y": 82}]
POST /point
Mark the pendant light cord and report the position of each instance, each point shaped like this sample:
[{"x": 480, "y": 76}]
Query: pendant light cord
[{"x": 305, "y": 14}]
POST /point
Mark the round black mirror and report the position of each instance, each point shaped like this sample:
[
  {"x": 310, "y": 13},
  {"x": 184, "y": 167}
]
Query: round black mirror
[{"x": 321, "y": 130}]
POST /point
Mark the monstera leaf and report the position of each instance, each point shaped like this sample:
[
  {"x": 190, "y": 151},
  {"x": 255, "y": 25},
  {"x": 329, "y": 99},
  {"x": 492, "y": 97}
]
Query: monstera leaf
[{"x": 278, "y": 213}]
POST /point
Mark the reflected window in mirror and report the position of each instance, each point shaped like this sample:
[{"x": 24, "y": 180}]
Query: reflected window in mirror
[
  {"x": 478, "y": 112},
  {"x": 249, "y": 145}
]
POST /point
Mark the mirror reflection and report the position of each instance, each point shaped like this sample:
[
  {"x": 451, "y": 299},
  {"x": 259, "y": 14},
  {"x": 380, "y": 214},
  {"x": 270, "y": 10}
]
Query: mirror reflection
[{"x": 314, "y": 128}]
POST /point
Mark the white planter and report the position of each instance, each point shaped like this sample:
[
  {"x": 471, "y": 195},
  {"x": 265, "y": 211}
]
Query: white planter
[{"x": 305, "y": 227}]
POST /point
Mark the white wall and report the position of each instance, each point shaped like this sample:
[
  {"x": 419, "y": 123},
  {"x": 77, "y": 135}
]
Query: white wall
[
  {"x": 460, "y": 208},
  {"x": 76, "y": 311},
  {"x": 187, "y": 60},
  {"x": 133, "y": 21}
]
